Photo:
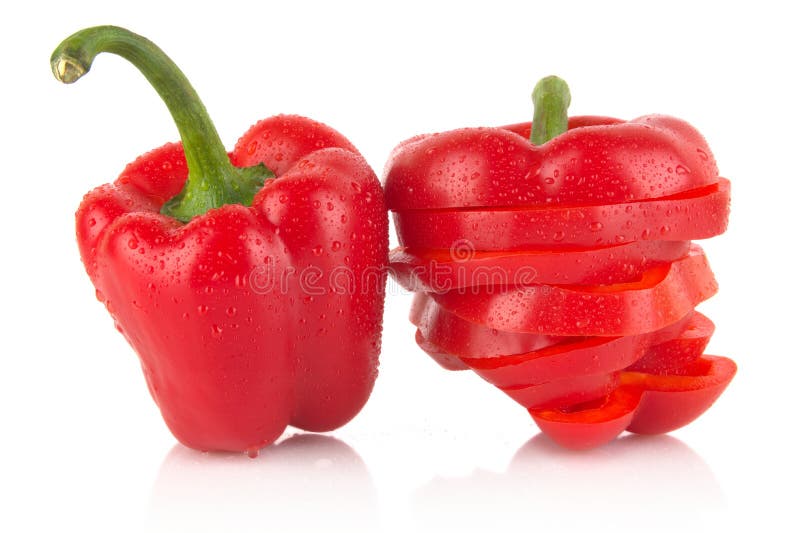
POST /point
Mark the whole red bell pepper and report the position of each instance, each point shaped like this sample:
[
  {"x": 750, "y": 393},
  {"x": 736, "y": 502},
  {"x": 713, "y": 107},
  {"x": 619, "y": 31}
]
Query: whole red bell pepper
[{"x": 252, "y": 294}]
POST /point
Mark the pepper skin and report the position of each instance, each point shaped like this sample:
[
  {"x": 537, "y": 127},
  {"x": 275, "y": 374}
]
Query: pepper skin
[{"x": 246, "y": 318}]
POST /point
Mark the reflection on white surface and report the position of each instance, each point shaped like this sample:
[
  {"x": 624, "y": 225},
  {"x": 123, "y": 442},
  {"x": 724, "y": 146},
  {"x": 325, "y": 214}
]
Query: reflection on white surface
[
  {"x": 307, "y": 481},
  {"x": 658, "y": 477}
]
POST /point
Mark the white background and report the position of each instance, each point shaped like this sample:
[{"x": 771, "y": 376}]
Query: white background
[{"x": 83, "y": 446}]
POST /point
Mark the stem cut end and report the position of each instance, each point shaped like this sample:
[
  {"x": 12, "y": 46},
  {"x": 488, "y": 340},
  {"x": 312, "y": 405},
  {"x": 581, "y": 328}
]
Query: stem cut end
[{"x": 67, "y": 70}]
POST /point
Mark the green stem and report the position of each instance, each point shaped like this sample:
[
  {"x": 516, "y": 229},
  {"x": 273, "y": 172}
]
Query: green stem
[
  {"x": 213, "y": 181},
  {"x": 551, "y": 99}
]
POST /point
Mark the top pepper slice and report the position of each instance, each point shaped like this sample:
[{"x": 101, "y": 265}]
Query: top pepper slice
[{"x": 598, "y": 161}]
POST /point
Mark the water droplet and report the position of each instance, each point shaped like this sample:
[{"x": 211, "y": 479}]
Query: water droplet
[
  {"x": 680, "y": 170},
  {"x": 335, "y": 246},
  {"x": 549, "y": 181},
  {"x": 596, "y": 226},
  {"x": 252, "y": 147},
  {"x": 133, "y": 243},
  {"x": 166, "y": 166},
  {"x": 231, "y": 311},
  {"x": 559, "y": 236},
  {"x": 702, "y": 153},
  {"x": 283, "y": 198},
  {"x": 92, "y": 222},
  {"x": 202, "y": 309},
  {"x": 317, "y": 250},
  {"x": 216, "y": 330}
]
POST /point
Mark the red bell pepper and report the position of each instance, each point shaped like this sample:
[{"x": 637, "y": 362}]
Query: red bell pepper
[
  {"x": 252, "y": 295},
  {"x": 662, "y": 296},
  {"x": 444, "y": 270}
]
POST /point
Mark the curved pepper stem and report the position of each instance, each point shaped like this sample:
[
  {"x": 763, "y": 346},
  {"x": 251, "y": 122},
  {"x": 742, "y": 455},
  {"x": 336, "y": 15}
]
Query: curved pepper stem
[
  {"x": 551, "y": 98},
  {"x": 213, "y": 181}
]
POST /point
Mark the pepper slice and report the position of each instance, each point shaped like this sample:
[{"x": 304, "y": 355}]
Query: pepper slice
[
  {"x": 446, "y": 360},
  {"x": 493, "y": 167},
  {"x": 663, "y": 296},
  {"x": 578, "y": 357},
  {"x": 444, "y": 270},
  {"x": 696, "y": 214},
  {"x": 673, "y": 356},
  {"x": 643, "y": 403},
  {"x": 672, "y": 401},
  {"x": 561, "y": 393},
  {"x": 454, "y": 335}
]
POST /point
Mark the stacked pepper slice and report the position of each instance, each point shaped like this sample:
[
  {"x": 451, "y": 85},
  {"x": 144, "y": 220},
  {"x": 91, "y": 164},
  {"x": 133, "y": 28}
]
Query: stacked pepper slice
[{"x": 554, "y": 259}]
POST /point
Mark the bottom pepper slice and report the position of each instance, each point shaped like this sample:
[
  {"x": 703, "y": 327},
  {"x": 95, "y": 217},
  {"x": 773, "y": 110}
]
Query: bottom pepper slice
[
  {"x": 592, "y": 424},
  {"x": 643, "y": 403},
  {"x": 671, "y": 402}
]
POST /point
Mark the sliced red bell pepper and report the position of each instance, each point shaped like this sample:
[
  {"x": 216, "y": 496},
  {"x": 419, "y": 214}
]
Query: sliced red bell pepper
[
  {"x": 643, "y": 403},
  {"x": 663, "y": 296},
  {"x": 696, "y": 214},
  {"x": 444, "y": 270},
  {"x": 597, "y": 162},
  {"x": 221, "y": 277}
]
